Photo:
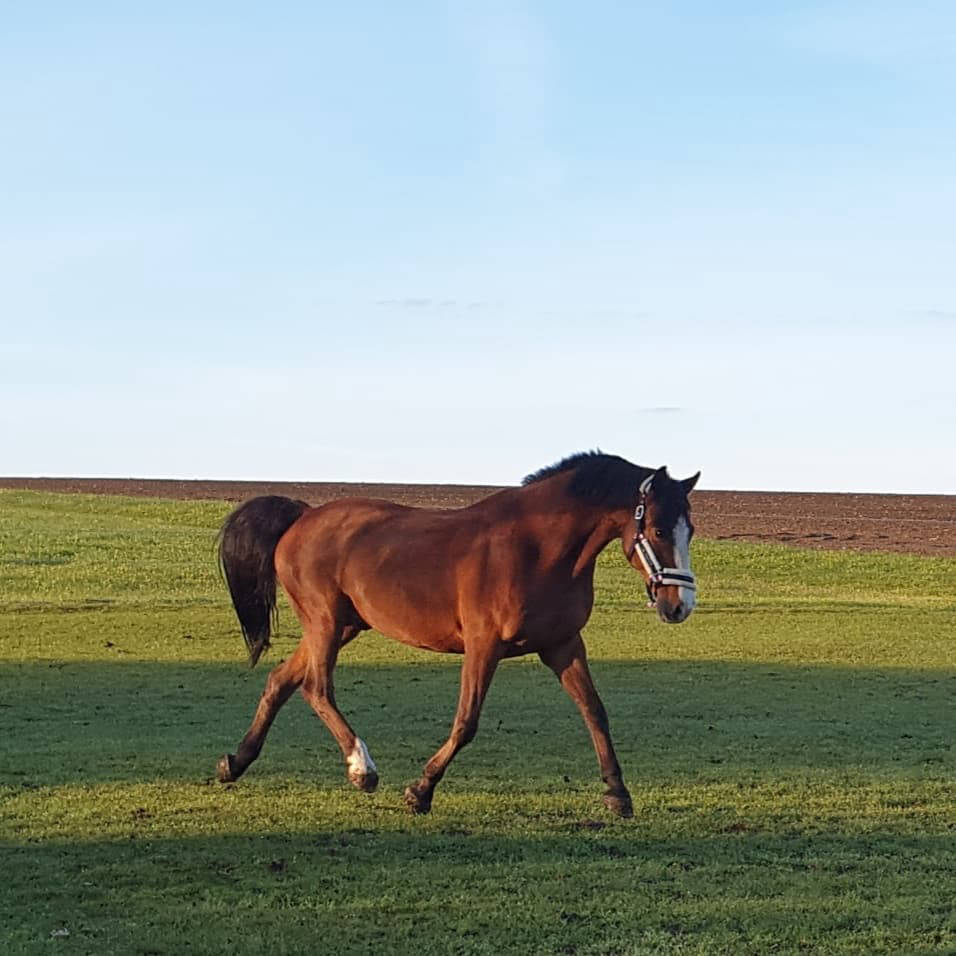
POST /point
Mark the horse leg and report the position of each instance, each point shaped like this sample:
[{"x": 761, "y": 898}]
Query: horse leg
[
  {"x": 280, "y": 685},
  {"x": 319, "y": 690},
  {"x": 569, "y": 663},
  {"x": 477, "y": 671}
]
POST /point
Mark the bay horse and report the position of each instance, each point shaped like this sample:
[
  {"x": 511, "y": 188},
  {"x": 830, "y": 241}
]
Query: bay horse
[{"x": 509, "y": 575}]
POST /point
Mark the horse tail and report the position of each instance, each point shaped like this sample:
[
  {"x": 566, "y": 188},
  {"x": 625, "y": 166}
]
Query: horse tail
[{"x": 247, "y": 547}]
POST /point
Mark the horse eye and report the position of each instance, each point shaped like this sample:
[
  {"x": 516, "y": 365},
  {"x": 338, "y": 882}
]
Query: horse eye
[{"x": 660, "y": 533}]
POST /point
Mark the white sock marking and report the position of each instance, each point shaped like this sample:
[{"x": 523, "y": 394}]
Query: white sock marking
[{"x": 359, "y": 761}]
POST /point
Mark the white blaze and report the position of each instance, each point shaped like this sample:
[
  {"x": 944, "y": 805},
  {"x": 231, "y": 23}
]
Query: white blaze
[{"x": 682, "y": 560}]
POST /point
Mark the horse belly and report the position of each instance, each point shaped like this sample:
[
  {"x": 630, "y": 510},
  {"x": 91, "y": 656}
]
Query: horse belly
[
  {"x": 412, "y": 618},
  {"x": 443, "y": 644},
  {"x": 417, "y": 633}
]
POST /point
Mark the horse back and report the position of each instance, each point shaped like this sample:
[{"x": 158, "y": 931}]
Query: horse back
[{"x": 431, "y": 577}]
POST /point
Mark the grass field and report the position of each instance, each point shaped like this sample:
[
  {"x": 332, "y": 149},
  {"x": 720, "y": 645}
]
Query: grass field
[{"x": 790, "y": 751}]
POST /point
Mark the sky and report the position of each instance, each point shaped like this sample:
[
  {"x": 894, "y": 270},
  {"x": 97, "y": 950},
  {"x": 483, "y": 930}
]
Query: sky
[{"x": 455, "y": 242}]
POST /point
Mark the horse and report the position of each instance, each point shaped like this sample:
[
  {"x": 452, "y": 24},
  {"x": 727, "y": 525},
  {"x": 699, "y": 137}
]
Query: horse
[{"x": 512, "y": 574}]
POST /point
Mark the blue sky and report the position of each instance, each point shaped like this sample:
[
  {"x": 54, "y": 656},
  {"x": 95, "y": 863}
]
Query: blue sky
[{"x": 455, "y": 242}]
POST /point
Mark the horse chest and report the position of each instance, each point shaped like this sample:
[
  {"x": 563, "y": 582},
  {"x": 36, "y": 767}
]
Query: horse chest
[{"x": 546, "y": 617}]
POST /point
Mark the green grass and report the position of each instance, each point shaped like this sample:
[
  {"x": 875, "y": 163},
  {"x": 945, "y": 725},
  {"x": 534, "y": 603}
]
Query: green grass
[{"x": 789, "y": 750}]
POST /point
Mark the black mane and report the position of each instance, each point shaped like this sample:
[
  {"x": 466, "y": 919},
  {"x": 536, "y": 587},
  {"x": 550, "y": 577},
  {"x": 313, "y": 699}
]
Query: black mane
[{"x": 607, "y": 479}]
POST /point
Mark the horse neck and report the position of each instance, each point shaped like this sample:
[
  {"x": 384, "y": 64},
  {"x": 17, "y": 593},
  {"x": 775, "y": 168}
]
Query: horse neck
[
  {"x": 602, "y": 529},
  {"x": 580, "y": 528}
]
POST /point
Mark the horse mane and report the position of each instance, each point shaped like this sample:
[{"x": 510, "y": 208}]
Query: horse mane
[{"x": 604, "y": 479}]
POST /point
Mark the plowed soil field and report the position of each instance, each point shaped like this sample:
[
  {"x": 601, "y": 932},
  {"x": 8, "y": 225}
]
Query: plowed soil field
[{"x": 914, "y": 524}]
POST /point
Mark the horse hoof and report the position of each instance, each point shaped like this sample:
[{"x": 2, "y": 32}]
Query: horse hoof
[
  {"x": 619, "y": 804},
  {"x": 366, "y": 782},
  {"x": 417, "y": 802},
  {"x": 224, "y": 770}
]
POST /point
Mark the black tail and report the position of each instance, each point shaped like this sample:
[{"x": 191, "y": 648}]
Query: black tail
[{"x": 247, "y": 546}]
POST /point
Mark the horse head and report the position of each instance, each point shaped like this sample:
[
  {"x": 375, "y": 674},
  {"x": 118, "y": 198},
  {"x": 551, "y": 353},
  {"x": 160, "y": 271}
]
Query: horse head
[{"x": 656, "y": 542}]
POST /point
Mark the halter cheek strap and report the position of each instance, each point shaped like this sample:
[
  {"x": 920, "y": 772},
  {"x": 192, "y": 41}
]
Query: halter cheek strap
[{"x": 658, "y": 575}]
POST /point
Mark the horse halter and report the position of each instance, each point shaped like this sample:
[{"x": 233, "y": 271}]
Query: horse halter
[{"x": 658, "y": 576}]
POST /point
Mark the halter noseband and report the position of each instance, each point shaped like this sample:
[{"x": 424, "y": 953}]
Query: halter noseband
[{"x": 658, "y": 575}]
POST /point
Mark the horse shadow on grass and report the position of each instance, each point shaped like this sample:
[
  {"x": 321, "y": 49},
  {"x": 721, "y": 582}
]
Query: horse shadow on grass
[
  {"x": 517, "y": 854},
  {"x": 87, "y": 723},
  {"x": 568, "y": 890}
]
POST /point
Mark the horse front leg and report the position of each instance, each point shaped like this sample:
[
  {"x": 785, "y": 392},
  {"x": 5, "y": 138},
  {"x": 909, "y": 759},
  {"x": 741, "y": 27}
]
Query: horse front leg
[
  {"x": 570, "y": 665},
  {"x": 477, "y": 671},
  {"x": 280, "y": 685}
]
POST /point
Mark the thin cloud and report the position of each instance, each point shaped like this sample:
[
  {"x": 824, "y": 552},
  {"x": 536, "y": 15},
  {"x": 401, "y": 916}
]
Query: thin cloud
[
  {"x": 941, "y": 315},
  {"x": 408, "y": 303},
  {"x": 422, "y": 302}
]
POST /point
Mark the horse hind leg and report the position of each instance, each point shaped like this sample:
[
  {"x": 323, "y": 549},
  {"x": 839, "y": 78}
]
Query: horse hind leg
[
  {"x": 319, "y": 691},
  {"x": 309, "y": 668},
  {"x": 280, "y": 685}
]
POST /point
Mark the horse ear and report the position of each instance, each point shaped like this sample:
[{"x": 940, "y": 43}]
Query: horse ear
[
  {"x": 689, "y": 483},
  {"x": 649, "y": 480}
]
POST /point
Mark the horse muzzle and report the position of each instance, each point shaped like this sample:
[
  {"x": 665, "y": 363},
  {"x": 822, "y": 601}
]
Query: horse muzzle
[{"x": 672, "y": 613}]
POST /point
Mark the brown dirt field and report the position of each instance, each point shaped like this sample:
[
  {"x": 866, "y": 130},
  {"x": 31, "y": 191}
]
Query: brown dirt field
[{"x": 914, "y": 524}]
